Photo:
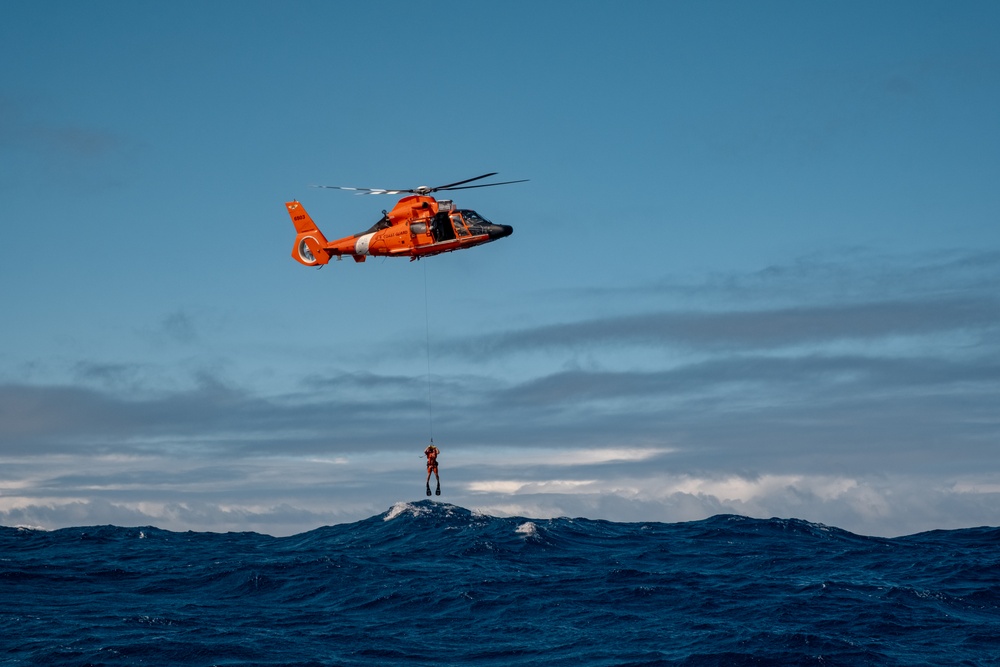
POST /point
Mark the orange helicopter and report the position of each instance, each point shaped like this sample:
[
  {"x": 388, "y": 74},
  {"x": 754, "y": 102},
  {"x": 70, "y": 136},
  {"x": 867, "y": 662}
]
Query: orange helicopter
[{"x": 417, "y": 226}]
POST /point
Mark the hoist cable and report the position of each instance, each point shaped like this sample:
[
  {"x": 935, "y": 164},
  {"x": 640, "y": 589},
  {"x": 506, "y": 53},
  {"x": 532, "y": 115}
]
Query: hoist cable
[{"x": 427, "y": 331}]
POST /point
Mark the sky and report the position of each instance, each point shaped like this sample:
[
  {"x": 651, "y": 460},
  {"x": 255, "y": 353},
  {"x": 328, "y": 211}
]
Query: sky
[{"x": 754, "y": 269}]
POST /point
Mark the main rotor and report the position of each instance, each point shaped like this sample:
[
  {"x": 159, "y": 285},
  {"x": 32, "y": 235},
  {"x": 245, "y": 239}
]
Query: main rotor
[{"x": 425, "y": 190}]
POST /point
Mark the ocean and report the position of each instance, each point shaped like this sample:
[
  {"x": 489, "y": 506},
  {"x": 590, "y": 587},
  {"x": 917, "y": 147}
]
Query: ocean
[{"x": 428, "y": 583}]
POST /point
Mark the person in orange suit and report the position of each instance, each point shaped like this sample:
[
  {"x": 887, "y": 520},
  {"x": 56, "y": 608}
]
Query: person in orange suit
[{"x": 432, "y": 467}]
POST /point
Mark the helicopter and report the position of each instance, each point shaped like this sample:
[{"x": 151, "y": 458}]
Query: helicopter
[{"x": 417, "y": 226}]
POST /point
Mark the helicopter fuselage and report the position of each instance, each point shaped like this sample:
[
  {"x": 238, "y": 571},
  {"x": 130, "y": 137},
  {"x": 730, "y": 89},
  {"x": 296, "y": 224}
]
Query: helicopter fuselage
[{"x": 417, "y": 226}]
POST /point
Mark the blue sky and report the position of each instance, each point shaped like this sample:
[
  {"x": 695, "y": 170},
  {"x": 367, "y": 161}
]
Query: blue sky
[{"x": 754, "y": 269}]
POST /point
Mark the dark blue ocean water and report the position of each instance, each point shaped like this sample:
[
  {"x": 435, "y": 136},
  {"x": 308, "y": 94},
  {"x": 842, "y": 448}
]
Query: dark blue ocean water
[{"x": 434, "y": 584}]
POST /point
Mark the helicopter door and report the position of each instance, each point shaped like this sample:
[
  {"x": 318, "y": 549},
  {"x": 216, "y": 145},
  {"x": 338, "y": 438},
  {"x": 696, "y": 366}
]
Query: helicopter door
[
  {"x": 441, "y": 228},
  {"x": 459, "y": 224}
]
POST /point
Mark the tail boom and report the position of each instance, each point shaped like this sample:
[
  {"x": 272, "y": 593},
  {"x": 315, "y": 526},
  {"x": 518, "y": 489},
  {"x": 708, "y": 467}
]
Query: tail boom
[{"x": 310, "y": 244}]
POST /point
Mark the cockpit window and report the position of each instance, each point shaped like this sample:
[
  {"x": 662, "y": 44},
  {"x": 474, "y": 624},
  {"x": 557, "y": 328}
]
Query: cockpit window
[
  {"x": 459, "y": 225},
  {"x": 381, "y": 224},
  {"x": 473, "y": 218}
]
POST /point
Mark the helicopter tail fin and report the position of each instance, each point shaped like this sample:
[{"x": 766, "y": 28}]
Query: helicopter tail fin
[{"x": 310, "y": 242}]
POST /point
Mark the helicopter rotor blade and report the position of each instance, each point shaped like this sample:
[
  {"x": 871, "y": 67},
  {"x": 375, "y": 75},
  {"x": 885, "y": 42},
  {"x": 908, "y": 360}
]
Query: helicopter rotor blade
[
  {"x": 423, "y": 189},
  {"x": 365, "y": 191},
  {"x": 450, "y": 186},
  {"x": 485, "y": 185}
]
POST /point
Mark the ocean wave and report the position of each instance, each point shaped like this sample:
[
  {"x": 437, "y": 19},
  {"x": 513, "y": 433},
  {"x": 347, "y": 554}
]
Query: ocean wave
[{"x": 427, "y": 582}]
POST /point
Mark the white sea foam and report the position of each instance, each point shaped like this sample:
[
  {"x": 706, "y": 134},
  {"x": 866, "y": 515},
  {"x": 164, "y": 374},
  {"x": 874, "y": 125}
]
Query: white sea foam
[
  {"x": 528, "y": 529},
  {"x": 396, "y": 510},
  {"x": 404, "y": 508}
]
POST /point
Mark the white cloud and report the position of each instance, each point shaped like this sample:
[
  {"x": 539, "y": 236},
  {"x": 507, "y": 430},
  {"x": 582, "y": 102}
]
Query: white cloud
[
  {"x": 883, "y": 505},
  {"x": 512, "y": 486},
  {"x": 550, "y": 456},
  {"x": 976, "y": 486},
  {"x": 261, "y": 499}
]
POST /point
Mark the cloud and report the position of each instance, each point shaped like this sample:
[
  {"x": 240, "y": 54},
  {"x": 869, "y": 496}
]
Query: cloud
[
  {"x": 179, "y": 491},
  {"x": 179, "y": 327},
  {"x": 799, "y": 378},
  {"x": 22, "y": 126},
  {"x": 50, "y": 145},
  {"x": 746, "y": 328},
  {"x": 889, "y": 505},
  {"x": 518, "y": 486},
  {"x": 761, "y": 329},
  {"x": 255, "y": 494},
  {"x": 773, "y": 399}
]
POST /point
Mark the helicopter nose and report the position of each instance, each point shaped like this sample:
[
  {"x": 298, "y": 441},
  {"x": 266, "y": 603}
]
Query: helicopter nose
[{"x": 500, "y": 231}]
